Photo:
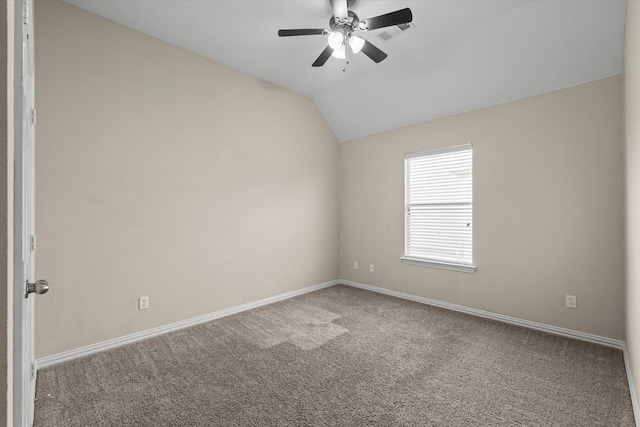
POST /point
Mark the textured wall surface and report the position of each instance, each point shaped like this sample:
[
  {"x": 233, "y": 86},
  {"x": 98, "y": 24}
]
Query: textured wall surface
[
  {"x": 548, "y": 209},
  {"x": 162, "y": 173}
]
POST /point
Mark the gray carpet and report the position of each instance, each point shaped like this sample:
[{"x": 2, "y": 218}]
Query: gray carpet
[{"x": 342, "y": 357}]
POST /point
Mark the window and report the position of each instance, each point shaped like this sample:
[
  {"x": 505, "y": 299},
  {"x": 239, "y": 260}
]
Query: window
[{"x": 438, "y": 208}]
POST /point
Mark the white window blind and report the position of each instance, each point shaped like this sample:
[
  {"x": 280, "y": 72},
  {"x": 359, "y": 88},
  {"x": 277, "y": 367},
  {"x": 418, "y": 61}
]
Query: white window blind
[{"x": 439, "y": 207}]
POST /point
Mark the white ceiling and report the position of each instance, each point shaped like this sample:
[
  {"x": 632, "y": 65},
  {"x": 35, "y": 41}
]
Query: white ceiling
[{"x": 461, "y": 55}]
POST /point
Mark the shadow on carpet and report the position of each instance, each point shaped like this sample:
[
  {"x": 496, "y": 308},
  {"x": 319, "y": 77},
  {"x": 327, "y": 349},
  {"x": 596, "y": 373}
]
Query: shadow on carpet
[{"x": 342, "y": 356}]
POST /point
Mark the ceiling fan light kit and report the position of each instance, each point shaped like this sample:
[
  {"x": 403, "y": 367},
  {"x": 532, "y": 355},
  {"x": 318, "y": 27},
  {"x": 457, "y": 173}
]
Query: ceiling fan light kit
[
  {"x": 336, "y": 40},
  {"x": 342, "y": 26},
  {"x": 356, "y": 43},
  {"x": 340, "y": 53}
]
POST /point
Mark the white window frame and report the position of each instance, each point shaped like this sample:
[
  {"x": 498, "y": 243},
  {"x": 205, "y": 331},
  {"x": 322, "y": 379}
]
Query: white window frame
[{"x": 448, "y": 264}]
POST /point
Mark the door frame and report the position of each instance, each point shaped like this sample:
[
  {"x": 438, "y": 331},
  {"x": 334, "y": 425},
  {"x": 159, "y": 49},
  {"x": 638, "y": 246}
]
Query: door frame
[{"x": 23, "y": 363}]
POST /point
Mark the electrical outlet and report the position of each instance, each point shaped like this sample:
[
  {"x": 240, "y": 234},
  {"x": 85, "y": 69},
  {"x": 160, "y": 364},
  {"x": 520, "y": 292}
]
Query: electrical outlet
[
  {"x": 355, "y": 265},
  {"x": 371, "y": 268},
  {"x": 571, "y": 301},
  {"x": 143, "y": 303}
]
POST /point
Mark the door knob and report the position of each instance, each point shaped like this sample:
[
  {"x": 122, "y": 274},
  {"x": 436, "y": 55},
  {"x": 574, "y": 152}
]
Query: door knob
[{"x": 39, "y": 288}]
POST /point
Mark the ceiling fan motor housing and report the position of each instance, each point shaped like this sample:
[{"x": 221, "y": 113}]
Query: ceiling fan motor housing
[
  {"x": 346, "y": 27},
  {"x": 343, "y": 23}
]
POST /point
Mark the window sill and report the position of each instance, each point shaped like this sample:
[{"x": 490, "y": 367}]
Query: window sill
[{"x": 439, "y": 264}]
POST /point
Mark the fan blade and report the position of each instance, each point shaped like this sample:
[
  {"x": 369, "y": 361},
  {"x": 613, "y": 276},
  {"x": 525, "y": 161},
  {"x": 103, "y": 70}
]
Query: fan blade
[
  {"x": 326, "y": 53},
  {"x": 402, "y": 16},
  {"x": 340, "y": 11},
  {"x": 373, "y": 52},
  {"x": 302, "y": 32}
]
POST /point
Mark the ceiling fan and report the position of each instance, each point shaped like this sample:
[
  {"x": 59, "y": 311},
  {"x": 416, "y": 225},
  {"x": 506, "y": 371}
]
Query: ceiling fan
[{"x": 343, "y": 24}]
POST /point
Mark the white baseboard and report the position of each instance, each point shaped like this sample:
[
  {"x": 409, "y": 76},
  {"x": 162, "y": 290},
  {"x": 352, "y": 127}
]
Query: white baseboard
[
  {"x": 520, "y": 322},
  {"x": 487, "y": 314},
  {"x": 632, "y": 388},
  {"x": 128, "y": 339}
]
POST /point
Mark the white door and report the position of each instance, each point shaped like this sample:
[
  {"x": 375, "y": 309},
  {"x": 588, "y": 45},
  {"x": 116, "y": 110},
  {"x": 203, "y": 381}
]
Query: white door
[{"x": 24, "y": 220}]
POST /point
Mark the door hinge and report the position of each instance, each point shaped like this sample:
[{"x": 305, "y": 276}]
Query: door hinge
[
  {"x": 33, "y": 371},
  {"x": 33, "y": 243},
  {"x": 33, "y": 116},
  {"x": 25, "y": 12}
]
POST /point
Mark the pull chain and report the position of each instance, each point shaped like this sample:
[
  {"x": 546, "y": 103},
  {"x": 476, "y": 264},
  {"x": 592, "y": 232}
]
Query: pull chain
[{"x": 346, "y": 54}]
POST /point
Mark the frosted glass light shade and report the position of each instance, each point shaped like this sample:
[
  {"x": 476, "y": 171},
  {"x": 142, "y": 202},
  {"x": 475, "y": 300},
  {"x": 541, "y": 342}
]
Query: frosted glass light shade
[
  {"x": 356, "y": 43},
  {"x": 340, "y": 53},
  {"x": 335, "y": 40}
]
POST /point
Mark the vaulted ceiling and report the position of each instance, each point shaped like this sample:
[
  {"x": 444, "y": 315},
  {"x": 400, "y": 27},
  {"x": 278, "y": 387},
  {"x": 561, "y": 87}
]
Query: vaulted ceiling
[{"x": 458, "y": 56}]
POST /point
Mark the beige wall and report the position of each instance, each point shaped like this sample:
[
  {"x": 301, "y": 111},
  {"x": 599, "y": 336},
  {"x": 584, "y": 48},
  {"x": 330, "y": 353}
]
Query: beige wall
[
  {"x": 165, "y": 174},
  {"x": 157, "y": 169},
  {"x": 632, "y": 139},
  {"x": 548, "y": 209}
]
